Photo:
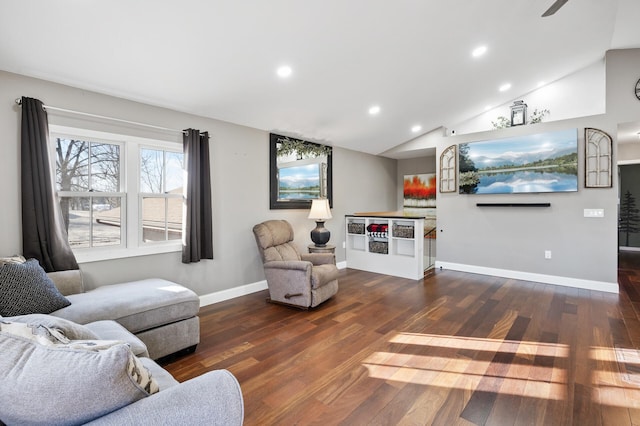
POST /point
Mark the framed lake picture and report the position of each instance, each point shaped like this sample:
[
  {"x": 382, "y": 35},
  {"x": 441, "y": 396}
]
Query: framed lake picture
[
  {"x": 539, "y": 163},
  {"x": 300, "y": 171}
]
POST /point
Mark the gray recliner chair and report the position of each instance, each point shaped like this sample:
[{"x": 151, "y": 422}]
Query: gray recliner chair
[{"x": 301, "y": 280}]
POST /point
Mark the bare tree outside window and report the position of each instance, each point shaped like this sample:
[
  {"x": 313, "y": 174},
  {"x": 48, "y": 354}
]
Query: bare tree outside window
[
  {"x": 151, "y": 171},
  {"x": 71, "y": 171},
  {"x": 84, "y": 169}
]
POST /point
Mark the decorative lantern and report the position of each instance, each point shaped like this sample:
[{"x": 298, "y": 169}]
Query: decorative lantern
[{"x": 518, "y": 113}]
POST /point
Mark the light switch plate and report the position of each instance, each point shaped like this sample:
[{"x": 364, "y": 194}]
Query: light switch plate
[{"x": 593, "y": 212}]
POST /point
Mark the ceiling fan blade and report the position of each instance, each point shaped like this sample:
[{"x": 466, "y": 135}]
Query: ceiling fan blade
[{"x": 554, "y": 8}]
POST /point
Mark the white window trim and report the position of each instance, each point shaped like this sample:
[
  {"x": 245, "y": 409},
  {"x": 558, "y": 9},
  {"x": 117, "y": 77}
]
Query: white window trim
[{"x": 132, "y": 245}]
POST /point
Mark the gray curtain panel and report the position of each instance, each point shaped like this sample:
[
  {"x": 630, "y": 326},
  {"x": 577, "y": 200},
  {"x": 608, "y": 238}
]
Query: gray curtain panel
[
  {"x": 44, "y": 236},
  {"x": 198, "y": 232}
]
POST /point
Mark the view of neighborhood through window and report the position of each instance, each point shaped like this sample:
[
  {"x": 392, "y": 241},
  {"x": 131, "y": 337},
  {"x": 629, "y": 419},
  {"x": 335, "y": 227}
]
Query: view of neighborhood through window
[{"x": 96, "y": 197}]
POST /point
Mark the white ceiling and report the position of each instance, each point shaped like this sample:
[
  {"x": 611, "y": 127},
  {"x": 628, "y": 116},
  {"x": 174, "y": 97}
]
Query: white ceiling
[{"x": 218, "y": 58}]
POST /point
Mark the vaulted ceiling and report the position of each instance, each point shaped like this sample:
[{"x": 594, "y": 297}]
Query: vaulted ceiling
[{"x": 413, "y": 59}]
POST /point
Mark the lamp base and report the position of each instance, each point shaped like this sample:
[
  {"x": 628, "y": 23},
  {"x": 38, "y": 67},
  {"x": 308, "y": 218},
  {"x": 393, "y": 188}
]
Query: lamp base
[{"x": 320, "y": 235}]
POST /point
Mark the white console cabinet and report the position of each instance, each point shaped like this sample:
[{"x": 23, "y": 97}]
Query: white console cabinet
[{"x": 386, "y": 245}]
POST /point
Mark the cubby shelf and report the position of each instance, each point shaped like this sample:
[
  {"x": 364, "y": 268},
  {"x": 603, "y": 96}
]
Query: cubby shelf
[{"x": 386, "y": 245}]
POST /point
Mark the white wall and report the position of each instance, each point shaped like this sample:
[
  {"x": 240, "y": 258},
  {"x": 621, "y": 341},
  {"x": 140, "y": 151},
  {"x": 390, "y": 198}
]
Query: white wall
[
  {"x": 580, "y": 94},
  {"x": 240, "y": 163}
]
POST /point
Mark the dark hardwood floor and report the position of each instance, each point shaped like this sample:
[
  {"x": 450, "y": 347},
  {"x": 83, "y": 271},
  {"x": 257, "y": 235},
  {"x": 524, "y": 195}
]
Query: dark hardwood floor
[{"x": 452, "y": 349}]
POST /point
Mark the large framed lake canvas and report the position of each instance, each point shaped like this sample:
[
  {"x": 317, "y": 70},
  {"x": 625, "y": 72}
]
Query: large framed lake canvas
[{"x": 539, "y": 163}]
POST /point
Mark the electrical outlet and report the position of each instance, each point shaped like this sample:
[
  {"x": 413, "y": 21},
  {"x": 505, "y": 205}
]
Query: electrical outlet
[{"x": 547, "y": 254}]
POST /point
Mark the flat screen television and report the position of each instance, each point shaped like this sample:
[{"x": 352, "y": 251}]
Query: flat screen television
[{"x": 539, "y": 163}]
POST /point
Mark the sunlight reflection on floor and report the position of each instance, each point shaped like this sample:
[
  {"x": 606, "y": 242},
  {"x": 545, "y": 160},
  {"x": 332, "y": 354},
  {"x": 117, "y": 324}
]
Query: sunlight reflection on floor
[{"x": 615, "y": 376}]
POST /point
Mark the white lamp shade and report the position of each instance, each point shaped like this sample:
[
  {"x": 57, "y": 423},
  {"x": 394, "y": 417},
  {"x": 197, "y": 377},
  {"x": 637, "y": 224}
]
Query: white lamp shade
[{"x": 320, "y": 209}]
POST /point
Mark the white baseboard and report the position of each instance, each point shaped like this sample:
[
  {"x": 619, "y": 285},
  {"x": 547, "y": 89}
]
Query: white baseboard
[
  {"x": 528, "y": 276},
  {"x": 232, "y": 293},
  {"x": 625, "y": 248}
]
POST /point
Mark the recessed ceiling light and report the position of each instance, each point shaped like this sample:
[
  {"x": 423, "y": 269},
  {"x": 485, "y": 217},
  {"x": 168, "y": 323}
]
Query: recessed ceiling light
[
  {"x": 416, "y": 128},
  {"x": 374, "y": 110},
  {"x": 479, "y": 51},
  {"x": 505, "y": 87},
  {"x": 487, "y": 108},
  {"x": 284, "y": 71},
  {"x": 541, "y": 83}
]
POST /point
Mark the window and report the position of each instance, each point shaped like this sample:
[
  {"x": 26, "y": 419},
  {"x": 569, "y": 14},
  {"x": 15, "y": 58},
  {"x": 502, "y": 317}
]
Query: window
[
  {"x": 161, "y": 192},
  {"x": 120, "y": 196}
]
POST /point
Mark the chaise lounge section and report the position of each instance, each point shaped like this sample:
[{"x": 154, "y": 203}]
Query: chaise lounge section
[{"x": 161, "y": 313}]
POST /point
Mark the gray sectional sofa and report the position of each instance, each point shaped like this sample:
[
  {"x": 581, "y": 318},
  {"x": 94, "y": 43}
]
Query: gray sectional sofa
[
  {"x": 90, "y": 359},
  {"x": 56, "y": 372},
  {"x": 161, "y": 313}
]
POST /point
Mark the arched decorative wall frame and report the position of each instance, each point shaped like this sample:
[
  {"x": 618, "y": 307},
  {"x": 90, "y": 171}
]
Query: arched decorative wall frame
[
  {"x": 448, "y": 170},
  {"x": 598, "y": 158}
]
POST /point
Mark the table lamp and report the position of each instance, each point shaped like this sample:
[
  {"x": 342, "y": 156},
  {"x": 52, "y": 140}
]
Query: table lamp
[{"x": 320, "y": 212}]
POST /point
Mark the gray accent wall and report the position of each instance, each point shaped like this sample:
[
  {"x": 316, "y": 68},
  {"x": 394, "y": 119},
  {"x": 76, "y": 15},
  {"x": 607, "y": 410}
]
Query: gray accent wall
[
  {"x": 516, "y": 238},
  {"x": 413, "y": 166},
  {"x": 240, "y": 181}
]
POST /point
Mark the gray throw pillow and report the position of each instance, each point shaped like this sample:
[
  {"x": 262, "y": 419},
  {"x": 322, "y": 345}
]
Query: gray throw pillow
[
  {"x": 49, "y": 379},
  {"x": 25, "y": 288}
]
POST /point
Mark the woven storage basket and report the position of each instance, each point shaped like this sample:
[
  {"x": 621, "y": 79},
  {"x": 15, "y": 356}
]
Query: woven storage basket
[
  {"x": 381, "y": 247},
  {"x": 403, "y": 231},
  {"x": 355, "y": 228}
]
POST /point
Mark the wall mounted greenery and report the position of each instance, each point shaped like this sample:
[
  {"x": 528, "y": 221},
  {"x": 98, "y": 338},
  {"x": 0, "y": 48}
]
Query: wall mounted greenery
[
  {"x": 538, "y": 115},
  {"x": 287, "y": 146}
]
